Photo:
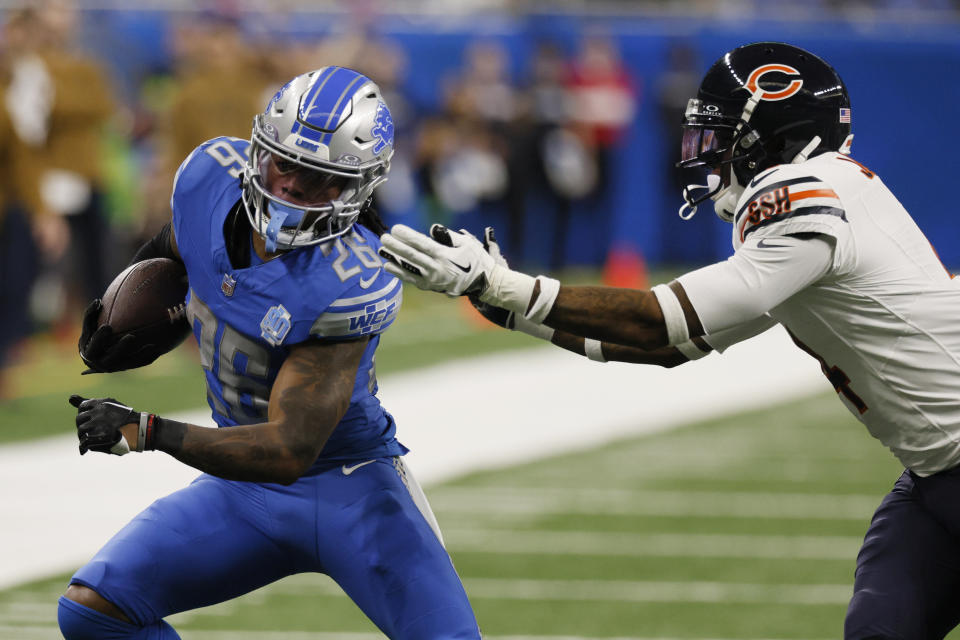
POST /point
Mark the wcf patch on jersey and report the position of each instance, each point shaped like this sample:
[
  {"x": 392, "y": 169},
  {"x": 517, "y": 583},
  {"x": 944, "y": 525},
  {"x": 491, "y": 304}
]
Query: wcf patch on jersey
[{"x": 275, "y": 325}]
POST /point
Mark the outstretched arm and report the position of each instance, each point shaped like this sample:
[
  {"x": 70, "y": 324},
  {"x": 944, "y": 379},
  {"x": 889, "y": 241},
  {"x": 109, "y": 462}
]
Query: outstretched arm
[
  {"x": 309, "y": 397},
  {"x": 458, "y": 264},
  {"x": 693, "y": 349},
  {"x": 628, "y": 317},
  {"x": 597, "y": 350},
  {"x": 755, "y": 280}
]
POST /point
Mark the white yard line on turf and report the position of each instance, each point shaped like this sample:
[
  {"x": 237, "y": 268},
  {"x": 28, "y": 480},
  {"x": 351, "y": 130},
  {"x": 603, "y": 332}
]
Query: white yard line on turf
[
  {"x": 644, "y": 545},
  {"x": 311, "y": 586},
  {"x": 59, "y": 508},
  {"x": 632, "y": 591},
  {"x": 533, "y": 502},
  {"x": 50, "y": 633}
]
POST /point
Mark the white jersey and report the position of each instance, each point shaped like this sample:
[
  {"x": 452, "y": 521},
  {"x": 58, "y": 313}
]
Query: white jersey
[{"x": 868, "y": 297}]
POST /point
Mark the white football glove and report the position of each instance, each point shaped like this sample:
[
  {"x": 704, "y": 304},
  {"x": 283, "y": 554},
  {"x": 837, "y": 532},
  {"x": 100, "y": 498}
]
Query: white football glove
[
  {"x": 449, "y": 262},
  {"x": 456, "y": 263}
]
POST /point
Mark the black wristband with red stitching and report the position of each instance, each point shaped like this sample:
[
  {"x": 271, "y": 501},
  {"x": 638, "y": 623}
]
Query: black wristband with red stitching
[{"x": 149, "y": 440}]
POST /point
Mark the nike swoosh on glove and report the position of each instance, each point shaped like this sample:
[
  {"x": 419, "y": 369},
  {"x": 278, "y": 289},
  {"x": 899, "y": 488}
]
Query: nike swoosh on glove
[{"x": 451, "y": 262}]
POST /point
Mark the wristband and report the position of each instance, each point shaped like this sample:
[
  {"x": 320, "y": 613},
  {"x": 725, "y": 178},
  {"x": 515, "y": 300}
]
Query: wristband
[
  {"x": 593, "y": 349},
  {"x": 142, "y": 431},
  {"x": 549, "y": 288},
  {"x": 509, "y": 289},
  {"x": 541, "y": 331},
  {"x": 147, "y": 433},
  {"x": 513, "y": 291},
  {"x": 673, "y": 316}
]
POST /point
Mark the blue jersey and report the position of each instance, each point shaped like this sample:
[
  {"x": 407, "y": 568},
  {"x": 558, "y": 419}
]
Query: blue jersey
[{"x": 246, "y": 319}]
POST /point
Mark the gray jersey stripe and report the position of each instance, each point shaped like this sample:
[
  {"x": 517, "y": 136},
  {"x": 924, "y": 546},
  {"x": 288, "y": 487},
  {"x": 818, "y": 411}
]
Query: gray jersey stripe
[{"x": 373, "y": 295}]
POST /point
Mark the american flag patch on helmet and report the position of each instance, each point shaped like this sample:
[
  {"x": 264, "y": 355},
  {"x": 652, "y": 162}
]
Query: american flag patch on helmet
[{"x": 845, "y": 115}]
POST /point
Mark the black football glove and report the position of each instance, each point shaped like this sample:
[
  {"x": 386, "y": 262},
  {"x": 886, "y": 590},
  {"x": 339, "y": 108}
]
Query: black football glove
[
  {"x": 104, "y": 351},
  {"x": 99, "y": 421}
]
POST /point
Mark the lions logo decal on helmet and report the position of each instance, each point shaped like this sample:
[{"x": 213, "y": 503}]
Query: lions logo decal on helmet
[{"x": 382, "y": 128}]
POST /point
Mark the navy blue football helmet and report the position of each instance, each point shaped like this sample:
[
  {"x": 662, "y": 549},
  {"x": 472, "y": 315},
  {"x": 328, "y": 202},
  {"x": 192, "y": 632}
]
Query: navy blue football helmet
[{"x": 760, "y": 105}]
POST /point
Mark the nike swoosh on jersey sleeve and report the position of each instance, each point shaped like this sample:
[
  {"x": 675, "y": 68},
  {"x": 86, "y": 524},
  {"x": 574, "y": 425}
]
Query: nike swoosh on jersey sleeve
[
  {"x": 786, "y": 200},
  {"x": 370, "y": 312}
]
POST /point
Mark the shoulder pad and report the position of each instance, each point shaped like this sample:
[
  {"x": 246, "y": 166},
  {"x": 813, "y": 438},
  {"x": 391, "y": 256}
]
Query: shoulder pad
[
  {"x": 787, "y": 193},
  {"x": 209, "y": 173},
  {"x": 367, "y": 297},
  {"x": 220, "y": 158},
  {"x": 359, "y": 312}
]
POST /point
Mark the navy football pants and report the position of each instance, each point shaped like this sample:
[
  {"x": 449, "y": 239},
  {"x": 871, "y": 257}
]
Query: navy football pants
[
  {"x": 217, "y": 539},
  {"x": 908, "y": 571}
]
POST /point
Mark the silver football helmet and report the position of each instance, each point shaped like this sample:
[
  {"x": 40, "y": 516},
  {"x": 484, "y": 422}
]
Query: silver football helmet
[{"x": 318, "y": 151}]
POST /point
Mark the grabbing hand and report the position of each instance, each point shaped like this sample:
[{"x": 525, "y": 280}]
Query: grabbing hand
[
  {"x": 456, "y": 263},
  {"x": 104, "y": 351},
  {"x": 451, "y": 262},
  {"x": 101, "y": 422}
]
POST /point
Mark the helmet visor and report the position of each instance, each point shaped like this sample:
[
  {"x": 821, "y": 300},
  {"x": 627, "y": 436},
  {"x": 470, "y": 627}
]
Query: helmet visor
[
  {"x": 298, "y": 184},
  {"x": 698, "y": 141}
]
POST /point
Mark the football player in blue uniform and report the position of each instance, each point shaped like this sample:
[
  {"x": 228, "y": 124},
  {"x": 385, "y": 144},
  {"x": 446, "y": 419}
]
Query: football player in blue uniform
[{"x": 287, "y": 300}]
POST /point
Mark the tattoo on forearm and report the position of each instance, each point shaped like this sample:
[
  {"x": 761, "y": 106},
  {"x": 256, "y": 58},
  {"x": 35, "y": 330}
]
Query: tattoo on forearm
[
  {"x": 620, "y": 316},
  {"x": 247, "y": 453},
  {"x": 310, "y": 396}
]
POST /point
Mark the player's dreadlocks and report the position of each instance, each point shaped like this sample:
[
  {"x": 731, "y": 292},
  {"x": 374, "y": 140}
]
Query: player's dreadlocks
[{"x": 370, "y": 218}]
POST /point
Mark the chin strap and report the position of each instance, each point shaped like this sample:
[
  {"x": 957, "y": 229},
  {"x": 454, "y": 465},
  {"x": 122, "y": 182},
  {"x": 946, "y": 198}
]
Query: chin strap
[
  {"x": 689, "y": 206},
  {"x": 806, "y": 151},
  {"x": 847, "y": 143},
  {"x": 277, "y": 218}
]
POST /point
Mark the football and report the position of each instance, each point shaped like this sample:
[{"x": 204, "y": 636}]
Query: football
[{"x": 147, "y": 299}]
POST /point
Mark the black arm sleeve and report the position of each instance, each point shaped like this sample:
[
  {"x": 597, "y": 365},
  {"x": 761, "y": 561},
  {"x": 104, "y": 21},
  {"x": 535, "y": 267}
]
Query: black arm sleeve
[{"x": 157, "y": 247}]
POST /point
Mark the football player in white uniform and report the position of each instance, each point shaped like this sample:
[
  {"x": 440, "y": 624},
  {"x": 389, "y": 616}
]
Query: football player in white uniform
[{"x": 822, "y": 247}]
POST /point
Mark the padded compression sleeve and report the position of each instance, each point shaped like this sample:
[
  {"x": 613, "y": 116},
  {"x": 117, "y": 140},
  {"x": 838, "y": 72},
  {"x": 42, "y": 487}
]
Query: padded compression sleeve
[
  {"x": 722, "y": 340},
  {"x": 157, "y": 247},
  {"x": 762, "y": 274}
]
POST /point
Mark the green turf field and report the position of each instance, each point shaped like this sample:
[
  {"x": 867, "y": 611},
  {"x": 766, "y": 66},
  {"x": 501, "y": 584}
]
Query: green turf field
[
  {"x": 744, "y": 527},
  {"x": 430, "y": 329}
]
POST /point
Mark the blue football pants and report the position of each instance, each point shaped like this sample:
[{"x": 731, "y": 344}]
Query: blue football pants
[
  {"x": 368, "y": 527},
  {"x": 908, "y": 569}
]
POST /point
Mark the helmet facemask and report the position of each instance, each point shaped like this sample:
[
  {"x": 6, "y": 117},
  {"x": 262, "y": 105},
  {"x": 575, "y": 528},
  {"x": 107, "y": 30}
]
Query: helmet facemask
[
  {"x": 722, "y": 146},
  {"x": 319, "y": 204}
]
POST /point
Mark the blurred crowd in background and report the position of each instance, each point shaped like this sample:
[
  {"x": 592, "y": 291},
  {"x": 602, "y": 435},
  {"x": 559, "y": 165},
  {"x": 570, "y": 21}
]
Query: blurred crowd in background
[
  {"x": 91, "y": 174},
  {"x": 89, "y": 154}
]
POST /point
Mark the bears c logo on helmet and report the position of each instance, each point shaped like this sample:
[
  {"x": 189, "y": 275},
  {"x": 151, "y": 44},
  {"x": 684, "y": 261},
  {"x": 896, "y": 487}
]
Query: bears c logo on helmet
[{"x": 783, "y": 94}]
